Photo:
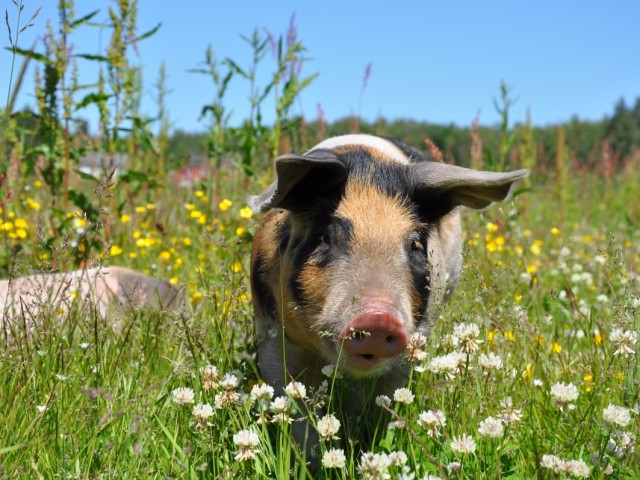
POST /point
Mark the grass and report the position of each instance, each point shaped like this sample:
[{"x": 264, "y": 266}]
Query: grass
[
  {"x": 530, "y": 370},
  {"x": 546, "y": 287}
]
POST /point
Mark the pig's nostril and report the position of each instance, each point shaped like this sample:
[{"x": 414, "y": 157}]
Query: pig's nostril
[
  {"x": 368, "y": 356},
  {"x": 390, "y": 339}
]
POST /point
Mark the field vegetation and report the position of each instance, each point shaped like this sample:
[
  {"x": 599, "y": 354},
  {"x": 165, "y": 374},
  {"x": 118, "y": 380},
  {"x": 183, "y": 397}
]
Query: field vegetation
[{"x": 530, "y": 371}]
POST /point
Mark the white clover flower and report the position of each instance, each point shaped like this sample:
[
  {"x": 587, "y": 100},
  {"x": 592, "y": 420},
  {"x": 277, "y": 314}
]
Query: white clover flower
[
  {"x": 621, "y": 444},
  {"x": 374, "y": 466},
  {"x": 383, "y": 401},
  {"x": 465, "y": 337},
  {"x": 564, "y": 394},
  {"x": 229, "y": 381},
  {"x": 490, "y": 363},
  {"x": 226, "y": 398},
  {"x": 403, "y": 395},
  {"x": 261, "y": 393},
  {"x": 330, "y": 371},
  {"x": 577, "y": 468},
  {"x": 448, "y": 364},
  {"x": 296, "y": 390},
  {"x": 328, "y": 427},
  {"x": 210, "y": 372},
  {"x": 433, "y": 421},
  {"x": 333, "y": 458},
  {"x": 281, "y": 408},
  {"x": 537, "y": 382},
  {"x": 247, "y": 441},
  {"x": 624, "y": 340},
  {"x": 552, "y": 462},
  {"x": 617, "y": 416},
  {"x": 183, "y": 396},
  {"x": 509, "y": 415},
  {"x": 84, "y": 345},
  {"x": 396, "y": 424},
  {"x": 415, "y": 352},
  {"x": 627, "y": 441},
  {"x": 41, "y": 408},
  {"x": 397, "y": 459},
  {"x": 463, "y": 444},
  {"x": 491, "y": 427},
  {"x": 202, "y": 412}
]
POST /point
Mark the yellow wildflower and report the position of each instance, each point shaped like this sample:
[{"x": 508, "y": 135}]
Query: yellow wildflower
[
  {"x": 492, "y": 227},
  {"x": 199, "y": 194},
  {"x": 33, "y": 204},
  {"x": 165, "y": 255},
  {"x": 124, "y": 218},
  {"x": 224, "y": 205},
  {"x": 531, "y": 269},
  {"x": 80, "y": 222},
  {"x": 190, "y": 206},
  {"x": 236, "y": 267},
  {"x": 556, "y": 347},
  {"x": 555, "y": 231},
  {"x": 535, "y": 248},
  {"x": 509, "y": 335},
  {"x": 174, "y": 280},
  {"x": 20, "y": 223},
  {"x": 115, "y": 250},
  {"x": 196, "y": 298},
  {"x": 37, "y": 183},
  {"x": 246, "y": 213},
  {"x": 140, "y": 209},
  {"x": 240, "y": 231}
]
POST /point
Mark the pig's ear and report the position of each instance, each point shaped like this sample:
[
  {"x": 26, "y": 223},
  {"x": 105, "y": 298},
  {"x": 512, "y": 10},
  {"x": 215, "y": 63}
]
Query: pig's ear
[
  {"x": 439, "y": 187},
  {"x": 301, "y": 179}
]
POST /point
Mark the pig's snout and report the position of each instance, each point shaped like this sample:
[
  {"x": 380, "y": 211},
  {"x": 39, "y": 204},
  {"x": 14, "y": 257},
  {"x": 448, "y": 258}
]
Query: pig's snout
[{"x": 371, "y": 338}]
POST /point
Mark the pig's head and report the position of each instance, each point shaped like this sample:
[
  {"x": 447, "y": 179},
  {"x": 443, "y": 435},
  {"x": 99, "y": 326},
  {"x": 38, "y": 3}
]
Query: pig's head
[{"x": 362, "y": 237}]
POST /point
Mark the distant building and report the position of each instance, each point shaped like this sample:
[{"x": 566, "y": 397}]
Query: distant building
[{"x": 99, "y": 164}]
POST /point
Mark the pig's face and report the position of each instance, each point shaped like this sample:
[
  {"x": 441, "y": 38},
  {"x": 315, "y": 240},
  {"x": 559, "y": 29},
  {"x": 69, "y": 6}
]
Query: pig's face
[
  {"x": 362, "y": 241},
  {"x": 362, "y": 278}
]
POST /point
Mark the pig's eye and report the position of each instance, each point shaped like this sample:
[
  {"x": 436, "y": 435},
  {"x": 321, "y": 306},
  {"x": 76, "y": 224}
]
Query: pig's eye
[
  {"x": 324, "y": 239},
  {"x": 417, "y": 246}
]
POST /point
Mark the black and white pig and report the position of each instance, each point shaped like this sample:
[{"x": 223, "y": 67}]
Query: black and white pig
[{"x": 360, "y": 237}]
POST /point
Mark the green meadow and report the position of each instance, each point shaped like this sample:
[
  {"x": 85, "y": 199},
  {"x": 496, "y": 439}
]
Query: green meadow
[{"x": 531, "y": 369}]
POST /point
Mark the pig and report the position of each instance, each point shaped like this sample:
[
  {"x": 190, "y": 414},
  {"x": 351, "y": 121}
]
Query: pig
[
  {"x": 103, "y": 288},
  {"x": 359, "y": 240}
]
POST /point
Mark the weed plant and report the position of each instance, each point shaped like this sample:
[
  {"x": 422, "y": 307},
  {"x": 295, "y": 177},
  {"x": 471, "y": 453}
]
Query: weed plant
[{"x": 530, "y": 371}]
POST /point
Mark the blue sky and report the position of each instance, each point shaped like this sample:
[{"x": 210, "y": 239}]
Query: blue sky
[{"x": 440, "y": 62}]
